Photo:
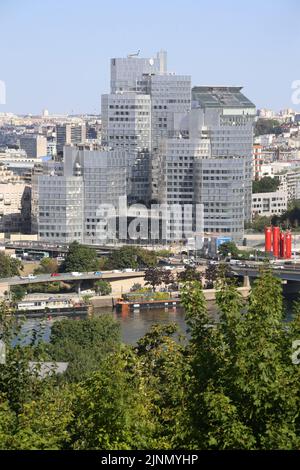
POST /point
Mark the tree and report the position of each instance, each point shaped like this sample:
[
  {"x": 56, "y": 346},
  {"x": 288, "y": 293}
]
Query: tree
[
  {"x": 154, "y": 277},
  {"x": 131, "y": 257},
  {"x": 80, "y": 258},
  {"x": 47, "y": 266},
  {"x": 17, "y": 293},
  {"x": 83, "y": 344},
  {"x": 189, "y": 274},
  {"x": 243, "y": 383},
  {"x": 111, "y": 409},
  {"x": 9, "y": 266},
  {"x": 265, "y": 185},
  {"x": 228, "y": 247},
  {"x": 260, "y": 222},
  {"x": 267, "y": 126},
  {"x": 136, "y": 286},
  {"x": 102, "y": 287}
]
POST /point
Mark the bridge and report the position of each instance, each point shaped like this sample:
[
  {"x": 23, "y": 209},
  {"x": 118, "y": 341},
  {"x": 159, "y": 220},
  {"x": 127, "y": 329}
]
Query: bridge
[
  {"x": 287, "y": 274},
  {"x": 6, "y": 283},
  {"x": 52, "y": 248},
  {"x": 290, "y": 276}
]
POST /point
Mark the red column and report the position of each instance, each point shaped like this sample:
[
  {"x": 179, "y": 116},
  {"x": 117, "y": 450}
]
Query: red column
[
  {"x": 288, "y": 245},
  {"x": 268, "y": 239},
  {"x": 281, "y": 245},
  {"x": 276, "y": 235}
]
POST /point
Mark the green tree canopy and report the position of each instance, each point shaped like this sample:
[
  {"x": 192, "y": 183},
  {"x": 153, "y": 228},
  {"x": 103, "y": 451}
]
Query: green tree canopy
[
  {"x": 228, "y": 247},
  {"x": 80, "y": 258},
  {"x": 9, "y": 266},
  {"x": 102, "y": 287},
  {"x": 265, "y": 185},
  {"x": 267, "y": 126},
  {"x": 47, "y": 266},
  {"x": 131, "y": 257}
]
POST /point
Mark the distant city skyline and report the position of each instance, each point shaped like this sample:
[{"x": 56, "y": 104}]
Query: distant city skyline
[{"x": 55, "y": 55}]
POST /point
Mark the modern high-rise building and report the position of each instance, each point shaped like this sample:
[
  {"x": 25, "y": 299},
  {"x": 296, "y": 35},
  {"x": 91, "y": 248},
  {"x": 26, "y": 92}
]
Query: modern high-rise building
[
  {"x": 70, "y": 206},
  {"x": 209, "y": 163},
  {"x": 125, "y": 73},
  {"x": 161, "y": 141},
  {"x": 35, "y": 145},
  {"x": 228, "y": 117},
  {"x": 144, "y": 106},
  {"x": 69, "y": 133}
]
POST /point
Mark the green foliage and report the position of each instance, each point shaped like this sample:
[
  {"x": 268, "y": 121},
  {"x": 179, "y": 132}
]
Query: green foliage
[
  {"x": 146, "y": 295},
  {"x": 163, "y": 253},
  {"x": 9, "y": 266},
  {"x": 83, "y": 343},
  {"x": 136, "y": 286},
  {"x": 189, "y": 274},
  {"x": 214, "y": 272},
  {"x": 266, "y": 185},
  {"x": 289, "y": 218},
  {"x": 111, "y": 408},
  {"x": 260, "y": 222},
  {"x": 80, "y": 258},
  {"x": 228, "y": 247},
  {"x": 102, "y": 287},
  {"x": 245, "y": 384},
  {"x": 267, "y": 126},
  {"x": 131, "y": 257},
  {"x": 18, "y": 293},
  {"x": 46, "y": 287},
  {"x": 231, "y": 385},
  {"x": 47, "y": 266},
  {"x": 154, "y": 277}
]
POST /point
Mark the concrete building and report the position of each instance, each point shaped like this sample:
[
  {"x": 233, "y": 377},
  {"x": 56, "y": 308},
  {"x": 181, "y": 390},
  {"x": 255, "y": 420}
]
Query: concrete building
[
  {"x": 268, "y": 204},
  {"x": 70, "y": 206},
  {"x": 219, "y": 128},
  {"x": 57, "y": 208},
  {"x": 142, "y": 109},
  {"x": 125, "y": 73},
  {"x": 14, "y": 202},
  {"x": 35, "y": 145},
  {"x": 126, "y": 121},
  {"x": 69, "y": 133}
]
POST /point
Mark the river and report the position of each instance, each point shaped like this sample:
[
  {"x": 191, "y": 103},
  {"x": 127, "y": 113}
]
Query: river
[{"x": 133, "y": 324}]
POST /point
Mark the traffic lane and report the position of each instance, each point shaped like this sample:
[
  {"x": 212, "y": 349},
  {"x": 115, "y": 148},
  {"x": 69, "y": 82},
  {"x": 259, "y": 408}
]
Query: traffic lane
[{"x": 69, "y": 277}]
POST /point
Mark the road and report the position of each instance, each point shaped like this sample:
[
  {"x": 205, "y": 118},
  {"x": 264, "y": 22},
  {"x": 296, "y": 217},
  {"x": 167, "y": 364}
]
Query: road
[
  {"x": 107, "y": 275},
  {"x": 289, "y": 274}
]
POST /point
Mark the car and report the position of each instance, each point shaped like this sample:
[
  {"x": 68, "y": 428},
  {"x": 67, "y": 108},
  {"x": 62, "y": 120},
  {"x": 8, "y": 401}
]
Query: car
[
  {"x": 116, "y": 271},
  {"x": 76, "y": 273},
  {"x": 30, "y": 277},
  {"x": 55, "y": 274},
  {"x": 127, "y": 270},
  {"x": 97, "y": 273}
]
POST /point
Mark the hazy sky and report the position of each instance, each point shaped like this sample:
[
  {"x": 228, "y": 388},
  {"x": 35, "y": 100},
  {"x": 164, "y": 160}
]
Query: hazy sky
[{"x": 55, "y": 54}]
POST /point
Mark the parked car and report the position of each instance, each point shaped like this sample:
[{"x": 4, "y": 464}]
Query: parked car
[
  {"x": 97, "y": 273},
  {"x": 76, "y": 273},
  {"x": 116, "y": 271},
  {"x": 55, "y": 274},
  {"x": 127, "y": 270}
]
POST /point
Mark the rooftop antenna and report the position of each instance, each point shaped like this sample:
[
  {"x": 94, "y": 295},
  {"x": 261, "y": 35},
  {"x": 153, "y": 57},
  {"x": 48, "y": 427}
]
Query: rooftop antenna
[{"x": 135, "y": 54}]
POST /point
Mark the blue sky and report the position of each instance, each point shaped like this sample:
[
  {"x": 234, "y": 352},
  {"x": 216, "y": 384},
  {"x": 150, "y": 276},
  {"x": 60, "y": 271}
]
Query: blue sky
[{"x": 55, "y": 54}]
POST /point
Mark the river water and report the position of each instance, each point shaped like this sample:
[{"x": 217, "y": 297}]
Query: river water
[{"x": 133, "y": 324}]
